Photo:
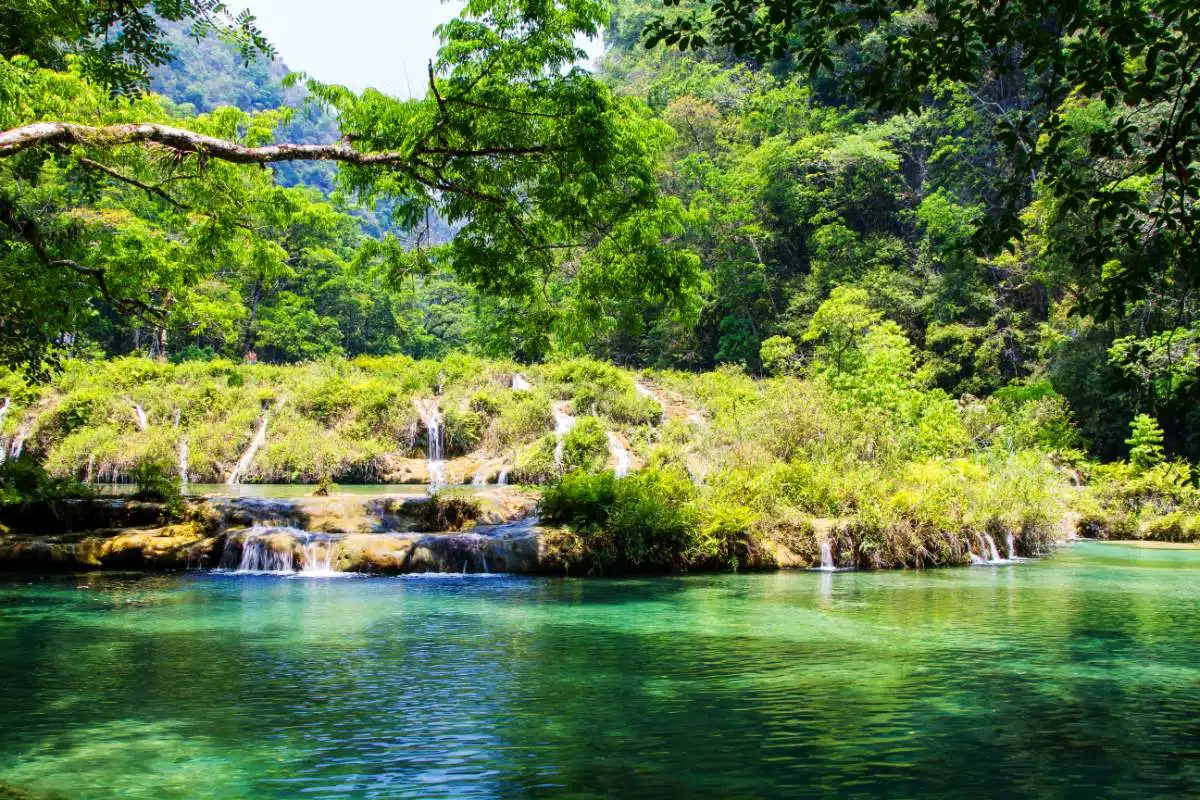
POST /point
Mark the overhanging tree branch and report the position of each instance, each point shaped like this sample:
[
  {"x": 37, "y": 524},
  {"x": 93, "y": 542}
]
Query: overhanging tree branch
[{"x": 37, "y": 134}]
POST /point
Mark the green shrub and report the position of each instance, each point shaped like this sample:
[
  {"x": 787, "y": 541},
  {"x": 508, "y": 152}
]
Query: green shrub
[
  {"x": 1145, "y": 443},
  {"x": 447, "y": 512},
  {"x": 462, "y": 431},
  {"x": 528, "y": 417},
  {"x": 154, "y": 483},
  {"x": 778, "y": 355},
  {"x": 585, "y": 446},
  {"x": 581, "y": 500},
  {"x": 486, "y": 402},
  {"x": 647, "y": 520},
  {"x": 535, "y": 462},
  {"x": 23, "y": 482}
]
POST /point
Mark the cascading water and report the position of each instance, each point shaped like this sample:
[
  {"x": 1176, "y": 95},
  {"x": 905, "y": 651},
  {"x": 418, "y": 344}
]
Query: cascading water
[
  {"x": 90, "y": 473},
  {"x": 619, "y": 453},
  {"x": 18, "y": 442},
  {"x": 183, "y": 461},
  {"x": 480, "y": 477},
  {"x": 519, "y": 384},
  {"x": 503, "y": 479},
  {"x": 319, "y": 557},
  {"x": 1011, "y": 541},
  {"x": 3, "y": 414},
  {"x": 265, "y": 551},
  {"x": 563, "y": 422},
  {"x": 139, "y": 414},
  {"x": 272, "y": 551},
  {"x": 827, "y": 564},
  {"x": 990, "y": 551},
  {"x": 427, "y": 408},
  {"x": 260, "y": 438}
]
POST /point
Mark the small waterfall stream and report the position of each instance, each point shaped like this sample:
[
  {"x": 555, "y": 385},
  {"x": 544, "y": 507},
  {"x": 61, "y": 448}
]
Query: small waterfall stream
[
  {"x": 427, "y": 408},
  {"x": 620, "y": 455},
  {"x": 1011, "y": 541},
  {"x": 503, "y": 479},
  {"x": 519, "y": 383},
  {"x": 3, "y": 414},
  {"x": 260, "y": 438},
  {"x": 983, "y": 551},
  {"x": 993, "y": 555},
  {"x": 139, "y": 414},
  {"x": 272, "y": 551},
  {"x": 563, "y": 422},
  {"x": 480, "y": 477},
  {"x": 183, "y": 461},
  {"x": 18, "y": 442},
  {"x": 827, "y": 555}
]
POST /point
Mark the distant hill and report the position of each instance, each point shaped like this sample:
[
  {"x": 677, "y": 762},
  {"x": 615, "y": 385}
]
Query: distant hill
[{"x": 209, "y": 73}]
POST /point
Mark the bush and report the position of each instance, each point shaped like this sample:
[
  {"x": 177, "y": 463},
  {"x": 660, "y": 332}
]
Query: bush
[
  {"x": 647, "y": 520},
  {"x": 155, "y": 484},
  {"x": 23, "y": 482},
  {"x": 535, "y": 463},
  {"x": 778, "y": 355},
  {"x": 462, "y": 431},
  {"x": 585, "y": 446},
  {"x": 447, "y": 512},
  {"x": 528, "y": 417},
  {"x": 581, "y": 500}
]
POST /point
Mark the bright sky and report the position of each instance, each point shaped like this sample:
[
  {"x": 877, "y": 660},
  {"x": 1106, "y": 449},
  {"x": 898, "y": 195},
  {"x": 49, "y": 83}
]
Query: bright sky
[{"x": 384, "y": 44}]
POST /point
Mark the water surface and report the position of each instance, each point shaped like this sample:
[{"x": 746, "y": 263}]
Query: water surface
[{"x": 1078, "y": 676}]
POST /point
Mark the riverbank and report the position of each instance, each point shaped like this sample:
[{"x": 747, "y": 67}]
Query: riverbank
[
  {"x": 472, "y": 530},
  {"x": 650, "y": 471}
]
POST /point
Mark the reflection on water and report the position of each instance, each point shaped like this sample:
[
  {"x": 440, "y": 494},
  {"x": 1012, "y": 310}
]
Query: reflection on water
[{"x": 1074, "y": 677}]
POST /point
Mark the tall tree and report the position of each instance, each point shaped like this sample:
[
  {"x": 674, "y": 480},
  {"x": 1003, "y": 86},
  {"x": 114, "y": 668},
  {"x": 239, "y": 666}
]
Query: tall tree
[{"x": 545, "y": 173}]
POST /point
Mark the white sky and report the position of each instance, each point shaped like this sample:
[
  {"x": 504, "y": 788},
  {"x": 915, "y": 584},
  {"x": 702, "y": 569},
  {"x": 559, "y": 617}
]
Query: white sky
[{"x": 384, "y": 44}]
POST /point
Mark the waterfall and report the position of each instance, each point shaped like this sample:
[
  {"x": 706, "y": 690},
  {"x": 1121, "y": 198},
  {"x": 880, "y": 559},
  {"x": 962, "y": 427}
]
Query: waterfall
[
  {"x": 975, "y": 558},
  {"x": 175, "y": 418},
  {"x": 90, "y": 472},
  {"x": 271, "y": 551},
  {"x": 563, "y": 422},
  {"x": 3, "y": 414},
  {"x": 1012, "y": 546},
  {"x": 503, "y": 479},
  {"x": 318, "y": 561},
  {"x": 480, "y": 478},
  {"x": 261, "y": 553},
  {"x": 519, "y": 384},
  {"x": 827, "y": 555},
  {"x": 183, "y": 461},
  {"x": 18, "y": 442},
  {"x": 260, "y": 438},
  {"x": 434, "y": 455},
  {"x": 619, "y": 454},
  {"x": 140, "y": 415},
  {"x": 990, "y": 552}
]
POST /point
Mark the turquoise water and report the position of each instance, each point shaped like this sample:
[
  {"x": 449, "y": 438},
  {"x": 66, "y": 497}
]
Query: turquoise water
[{"x": 1078, "y": 676}]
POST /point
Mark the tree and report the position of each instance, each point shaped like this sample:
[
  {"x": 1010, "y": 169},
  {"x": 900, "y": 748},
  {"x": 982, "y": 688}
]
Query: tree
[
  {"x": 1029, "y": 65},
  {"x": 116, "y": 44},
  {"x": 546, "y": 175},
  {"x": 1145, "y": 442},
  {"x": 778, "y": 355},
  {"x": 839, "y": 327}
]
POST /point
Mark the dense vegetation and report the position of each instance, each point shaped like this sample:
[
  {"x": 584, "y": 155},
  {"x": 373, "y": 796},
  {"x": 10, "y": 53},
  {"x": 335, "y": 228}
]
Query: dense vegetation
[{"x": 912, "y": 293}]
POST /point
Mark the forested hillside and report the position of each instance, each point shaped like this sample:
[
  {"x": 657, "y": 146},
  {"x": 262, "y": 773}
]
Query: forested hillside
[
  {"x": 795, "y": 188},
  {"x": 749, "y": 211}
]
